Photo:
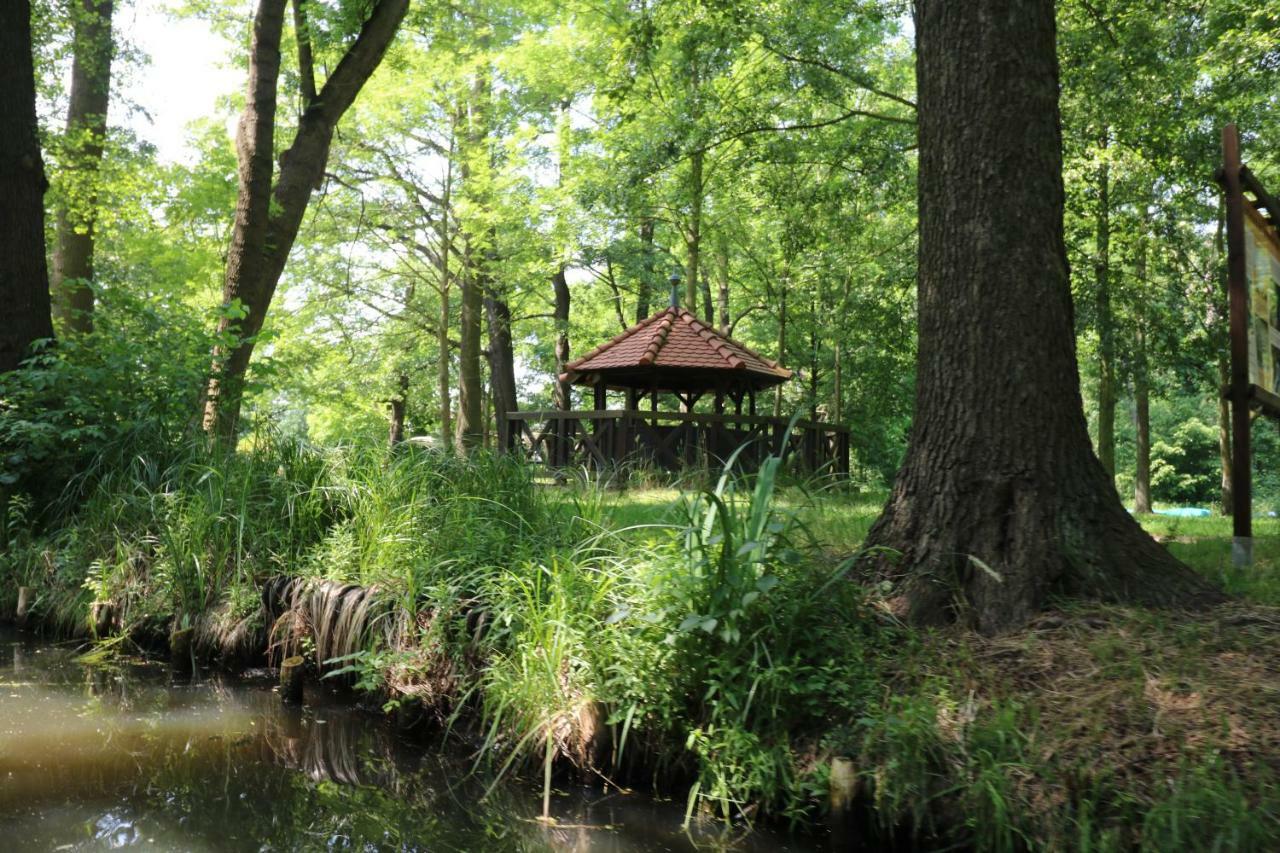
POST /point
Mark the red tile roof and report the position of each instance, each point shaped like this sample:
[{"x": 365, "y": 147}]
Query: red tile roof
[{"x": 674, "y": 338}]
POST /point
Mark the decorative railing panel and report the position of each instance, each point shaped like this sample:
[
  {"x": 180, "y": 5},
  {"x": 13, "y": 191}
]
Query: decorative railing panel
[{"x": 673, "y": 440}]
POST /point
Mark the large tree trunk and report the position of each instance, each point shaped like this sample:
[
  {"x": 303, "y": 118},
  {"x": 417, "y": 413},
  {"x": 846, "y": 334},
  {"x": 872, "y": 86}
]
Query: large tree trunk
[
  {"x": 1106, "y": 322},
  {"x": 267, "y": 220},
  {"x": 82, "y": 158},
  {"x": 502, "y": 366},
  {"x": 1001, "y": 501},
  {"x": 24, "y": 273}
]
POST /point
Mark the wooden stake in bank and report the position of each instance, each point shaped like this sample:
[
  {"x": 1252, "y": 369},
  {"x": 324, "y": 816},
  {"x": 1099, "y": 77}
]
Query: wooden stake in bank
[
  {"x": 292, "y": 671},
  {"x": 1253, "y": 295},
  {"x": 25, "y": 598},
  {"x": 181, "y": 659}
]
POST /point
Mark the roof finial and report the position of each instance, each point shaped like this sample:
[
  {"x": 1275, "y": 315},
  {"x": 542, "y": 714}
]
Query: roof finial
[{"x": 675, "y": 288}]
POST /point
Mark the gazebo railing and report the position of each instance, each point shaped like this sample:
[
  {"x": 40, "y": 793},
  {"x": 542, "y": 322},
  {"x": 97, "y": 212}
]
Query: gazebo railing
[{"x": 672, "y": 440}]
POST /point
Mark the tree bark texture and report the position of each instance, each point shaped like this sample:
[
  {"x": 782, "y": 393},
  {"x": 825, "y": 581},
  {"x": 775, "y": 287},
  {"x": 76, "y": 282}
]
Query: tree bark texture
[
  {"x": 1224, "y": 436},
  {"x": 398, "y": 403},
  {"x": 24, "y": 273},
  {"x": 1224, "y": 367},
  {"x": 1142, "y": 427},
  {"x": 722, "y": 280},
  {"x": 86, "y": 135},
  {"x": 560, "y": 312},
  {"x": 782, "y": 340},
  {"x": 502, "y": 366},
  {"x": 1105, "y": 322},
  {"x": 1141, "y": 393},
  {"x": 474, "y": 281},
  {"x": 470, "y": 426},
  {"x": 1000, "y": 501},
  {"x": 268, "y": 217},
  {"x": 444, "y": 386},
  {"x": 693, "y": 239},
  {"x": 647, "y": 284}
]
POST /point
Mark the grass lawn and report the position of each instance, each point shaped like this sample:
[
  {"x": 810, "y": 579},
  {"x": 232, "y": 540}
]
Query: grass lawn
[
  {"x": 839, "y": 522},
  {"x": 1093, "y": 717}
]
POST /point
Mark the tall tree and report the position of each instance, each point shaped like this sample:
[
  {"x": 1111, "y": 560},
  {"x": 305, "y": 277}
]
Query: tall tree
[
  {"x": 24, "y": 273},
  {"x": 1104, "y": 318},
  {"x": 477, "y": 273},
  {"x": 268, "y": 217},
  {"x": 82, "y": 158},
  {"x": 1001, "y": 501}
]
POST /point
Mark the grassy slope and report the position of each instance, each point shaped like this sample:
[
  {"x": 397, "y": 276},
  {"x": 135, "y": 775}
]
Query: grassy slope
[{"x": 1097, "y": 727}]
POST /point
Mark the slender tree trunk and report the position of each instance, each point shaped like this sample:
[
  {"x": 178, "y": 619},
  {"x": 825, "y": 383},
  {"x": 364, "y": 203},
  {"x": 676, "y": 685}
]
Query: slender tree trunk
[
  {"x": 1001, "y": 501},
  {"x": 398, "y": 405},
  {"x": 268, "y": 218},
  {"x": 502, "y": 366},
  {"x": 647, "y": 284},
  {"x": 470, "y": 425},
  {"x": 1141, "y": 392},
  {"x": 1224, "y": 435},
  {"x": 1142, "y": 424},
  {"x": 444, "y": 386},
  {"x": 24, "y": 273},
  {"x": 708, "y": 305},
  {"x": 782, "y": 339},
  {"x": 82, "y": 159},
  {"x": 1106, "y": 322},
  {"x": 560, "y": 289},
  {"x": 693, "y": 241},
  {"x": 722, "y": 276},
  {"x": 1224, "y": 368},
  {"x": 306, "y": 64}
]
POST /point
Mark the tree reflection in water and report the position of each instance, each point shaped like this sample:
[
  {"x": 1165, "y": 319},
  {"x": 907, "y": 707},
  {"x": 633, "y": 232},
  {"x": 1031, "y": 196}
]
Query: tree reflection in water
[{"x": 117, "y": 756}]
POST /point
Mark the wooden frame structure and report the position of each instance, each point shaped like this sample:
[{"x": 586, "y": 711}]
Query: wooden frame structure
[{"x": 1250, "y": 211}]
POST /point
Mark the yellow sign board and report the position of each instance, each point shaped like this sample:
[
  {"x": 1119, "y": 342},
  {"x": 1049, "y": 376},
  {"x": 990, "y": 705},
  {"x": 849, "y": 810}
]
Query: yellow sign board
[{"x": 1262, "y": 277}]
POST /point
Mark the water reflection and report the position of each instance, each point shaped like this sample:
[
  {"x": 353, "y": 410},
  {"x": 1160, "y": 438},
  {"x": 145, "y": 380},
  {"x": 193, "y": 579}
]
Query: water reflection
[{"x": 99, "y": 758}]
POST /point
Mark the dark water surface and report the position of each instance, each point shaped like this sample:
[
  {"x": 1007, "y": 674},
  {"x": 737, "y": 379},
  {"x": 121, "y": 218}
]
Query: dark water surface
[{"x": 108, "y": 757}]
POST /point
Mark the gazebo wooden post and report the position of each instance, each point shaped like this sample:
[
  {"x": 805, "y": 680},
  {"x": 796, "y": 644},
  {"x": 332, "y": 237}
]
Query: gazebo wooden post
[
  {"x": 598, "y": 427},
  {"x": 715, "y": 431}
]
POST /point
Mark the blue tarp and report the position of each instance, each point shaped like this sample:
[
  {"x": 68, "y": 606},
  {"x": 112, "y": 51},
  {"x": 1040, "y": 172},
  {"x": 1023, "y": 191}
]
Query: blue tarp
[{"x": 1185, "y": 512}]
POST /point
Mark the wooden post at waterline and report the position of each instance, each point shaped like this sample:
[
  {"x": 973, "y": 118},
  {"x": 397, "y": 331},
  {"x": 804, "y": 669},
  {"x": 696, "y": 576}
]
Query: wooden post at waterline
[
  {"x": 292, "y": 673},
  {"x": 100, "y": 618},
  {"x": 842, "y": 788},
  {"x": 181, "y": 653},
  {"x": 26, "y": 597}
]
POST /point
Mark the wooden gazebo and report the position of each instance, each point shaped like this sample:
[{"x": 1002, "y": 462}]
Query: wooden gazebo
[{"x": 673, "y": 355}]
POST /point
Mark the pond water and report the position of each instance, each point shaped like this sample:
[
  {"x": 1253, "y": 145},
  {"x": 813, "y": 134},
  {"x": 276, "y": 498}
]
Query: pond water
[{"x": 110, "y": 757}]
